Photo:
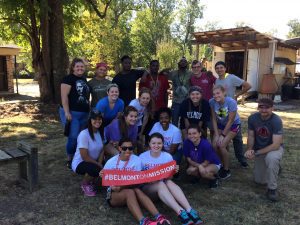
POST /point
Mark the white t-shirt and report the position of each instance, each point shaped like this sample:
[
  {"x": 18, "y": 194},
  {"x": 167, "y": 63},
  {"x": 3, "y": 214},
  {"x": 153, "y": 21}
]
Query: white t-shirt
[
  {"x": 149, "y": 162},
  {"x": 141, "y": 110},
  {"x": 171, "y": 136},
  {"x": 134, "y": 163},
  {"x": 94, "y": 147}
]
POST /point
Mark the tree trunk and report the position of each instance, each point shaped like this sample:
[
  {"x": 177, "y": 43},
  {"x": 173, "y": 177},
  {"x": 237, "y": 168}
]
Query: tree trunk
[
  {"x": 54, "y": 61},
  {"x": 59, "y": 55}
]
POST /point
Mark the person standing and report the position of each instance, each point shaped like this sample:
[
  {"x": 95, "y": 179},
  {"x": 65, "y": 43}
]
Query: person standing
[
  {"x": 180, "y": 85},
  {"x": 126, "y": 80},
  {"x": 265, "y": 146},
  {"x": 204, "y": 80},
  {"x": 99, "y": 83},
  {"x": 230, "y": 82},
  {"x": 158, "y": 84},
  {"x": 75, "y": 104}
]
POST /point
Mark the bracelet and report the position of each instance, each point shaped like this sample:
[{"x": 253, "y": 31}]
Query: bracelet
[{"x": 256, "y": 153}]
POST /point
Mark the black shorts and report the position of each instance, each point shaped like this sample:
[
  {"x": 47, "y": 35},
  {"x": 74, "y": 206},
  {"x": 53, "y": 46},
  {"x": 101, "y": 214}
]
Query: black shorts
[{"x": 87, "y": 167}]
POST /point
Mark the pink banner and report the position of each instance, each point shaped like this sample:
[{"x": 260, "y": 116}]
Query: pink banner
[{"x": 123, "y": 177}]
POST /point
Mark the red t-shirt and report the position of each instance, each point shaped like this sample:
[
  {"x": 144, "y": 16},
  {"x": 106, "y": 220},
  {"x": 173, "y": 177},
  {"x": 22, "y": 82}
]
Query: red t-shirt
[
  {"x": 159, "y": 89},
  {"x": 206, "y": 83}
]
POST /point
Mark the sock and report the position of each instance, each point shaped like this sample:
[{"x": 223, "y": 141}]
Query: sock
[
  {"x": 189, "y": 209},
  {"x": 156, "y": 215},
  {"x": 142, "y": 220},
  {"x": 180, "y": 211}
]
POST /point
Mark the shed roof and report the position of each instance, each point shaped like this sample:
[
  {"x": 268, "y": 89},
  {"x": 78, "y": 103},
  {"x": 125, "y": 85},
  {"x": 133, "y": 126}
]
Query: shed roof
[
  {"x": 9, "y": 49},
  {"x": 237, "y": 38}
]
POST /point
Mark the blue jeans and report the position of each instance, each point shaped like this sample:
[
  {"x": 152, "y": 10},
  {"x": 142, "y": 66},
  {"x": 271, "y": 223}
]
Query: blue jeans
[
  {"x": 78, "y": 123},
  {"x": 175, "y": 113},
  {"x": 178, "y": 156}
]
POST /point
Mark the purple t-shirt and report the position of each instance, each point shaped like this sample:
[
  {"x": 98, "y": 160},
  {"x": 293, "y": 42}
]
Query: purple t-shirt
[
  {"x": 112, "y": 132},
  {"x": 204, "y": 151}
]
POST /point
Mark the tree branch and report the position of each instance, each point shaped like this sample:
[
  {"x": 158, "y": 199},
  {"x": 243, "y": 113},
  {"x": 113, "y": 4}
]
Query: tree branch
[
  {"x": 101, "y": 15},
  {"x": 23, "y": 24}
]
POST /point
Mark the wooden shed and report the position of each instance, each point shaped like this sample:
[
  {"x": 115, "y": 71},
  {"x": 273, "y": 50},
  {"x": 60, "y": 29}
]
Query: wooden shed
[
  {"x": 250, "y": 54},
  {"x": 8, "y": 55}
]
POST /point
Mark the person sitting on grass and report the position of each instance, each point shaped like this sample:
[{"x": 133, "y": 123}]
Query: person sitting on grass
[
  {"x": 166, "y": 190},
  {"x": 124, "y": 127},
  {"x": 131, "y": 196},
  {"x": 171, "y": 134},
  {"x": 88, "y": 157},
  {"x": 226, "y": 124},
  {"x": 201, "y": 157},
  {"x": 265, "y": 146}
]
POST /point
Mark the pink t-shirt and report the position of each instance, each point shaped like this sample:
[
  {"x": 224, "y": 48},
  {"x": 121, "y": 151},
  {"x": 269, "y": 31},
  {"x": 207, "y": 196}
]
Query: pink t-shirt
[{"x": 206, "y": 83}]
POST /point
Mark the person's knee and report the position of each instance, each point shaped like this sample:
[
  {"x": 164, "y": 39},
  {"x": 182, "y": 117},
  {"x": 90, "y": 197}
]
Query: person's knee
[{"x": 272, "y": 160}]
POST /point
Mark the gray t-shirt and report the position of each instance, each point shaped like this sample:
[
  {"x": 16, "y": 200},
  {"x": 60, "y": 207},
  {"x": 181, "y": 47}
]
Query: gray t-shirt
[
  {"x": 98, "y": 89},
  {"x": 230, "y": 83},
  {"x": 264, "y": 129},
  {"x": 222, "y": 110},
  {"x": 180, "y": 85}
]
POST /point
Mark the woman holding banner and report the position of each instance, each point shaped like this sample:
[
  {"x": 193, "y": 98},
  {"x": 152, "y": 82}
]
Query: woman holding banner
[
  {"x": 127, "y": 195},
  {"x": 166, "y": 190}
]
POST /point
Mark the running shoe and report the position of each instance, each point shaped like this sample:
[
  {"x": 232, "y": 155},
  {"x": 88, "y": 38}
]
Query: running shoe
[
  {"x": 184, "y": 218},
  {"x": 162, "y": 220},
  {"x": 194, "y": 215},
  {"x": 88, "y": 190}
]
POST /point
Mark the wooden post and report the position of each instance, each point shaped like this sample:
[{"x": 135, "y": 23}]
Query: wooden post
[
  {"x": 245, "y": 67},
  {"x": 197, "y": 52}
]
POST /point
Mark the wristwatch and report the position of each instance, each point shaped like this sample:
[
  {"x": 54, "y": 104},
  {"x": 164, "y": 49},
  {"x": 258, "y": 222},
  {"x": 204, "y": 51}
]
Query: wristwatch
[{"x": 256, "y": 153}]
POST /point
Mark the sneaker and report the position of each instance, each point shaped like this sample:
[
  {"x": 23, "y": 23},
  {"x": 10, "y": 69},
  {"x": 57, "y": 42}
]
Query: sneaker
[
  {"x": 69, "y": 164},
  {"x": 194, "y": 215},
  {"x": 272, "y": 195},
  {"x": 224, "y": 174},
  {"x": 147, "y": 221},
  {"x": 244, "y": 165},
  {"x": 162, "y": 220},
  {"x": 88, "y": 190},
  {"x": 214, "y": 183},
  {"x": 184, "y": 218}
]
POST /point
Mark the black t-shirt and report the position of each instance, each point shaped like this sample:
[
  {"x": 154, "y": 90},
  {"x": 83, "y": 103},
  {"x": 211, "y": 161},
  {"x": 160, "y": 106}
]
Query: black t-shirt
[
  {"x": 194, "y": 114},
  {"x": 127, "y": 84},
  {"x": 79, "y": 93}
]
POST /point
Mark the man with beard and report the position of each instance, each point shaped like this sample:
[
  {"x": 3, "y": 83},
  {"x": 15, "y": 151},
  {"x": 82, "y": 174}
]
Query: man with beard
[
  {"x": 180, "y": 85},
  {"x": 264, "y": 145},
  {"x": 126, "y": 80},
  {"x": 158, "y": 84}
]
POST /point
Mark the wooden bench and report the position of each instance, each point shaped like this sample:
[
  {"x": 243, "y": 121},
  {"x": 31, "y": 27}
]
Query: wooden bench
[{"x": 27, "y": 158}]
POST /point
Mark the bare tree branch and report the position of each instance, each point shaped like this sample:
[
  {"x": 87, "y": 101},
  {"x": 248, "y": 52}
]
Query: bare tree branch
[
  {"x": 101, "y": 15},
  {"x": 23, "y": 24}
]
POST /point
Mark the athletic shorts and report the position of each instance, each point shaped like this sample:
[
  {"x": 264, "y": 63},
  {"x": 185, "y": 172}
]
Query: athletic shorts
[{"x": 234, "y": 127}]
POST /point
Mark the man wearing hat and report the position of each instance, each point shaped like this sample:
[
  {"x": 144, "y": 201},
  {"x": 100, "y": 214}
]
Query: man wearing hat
[
  {"x": 265, "y": 146},
  {"x": 99, "y": 83}
]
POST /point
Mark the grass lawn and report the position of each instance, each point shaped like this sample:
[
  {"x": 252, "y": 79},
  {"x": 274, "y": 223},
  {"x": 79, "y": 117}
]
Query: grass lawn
[{"x": 59, "y": 199}]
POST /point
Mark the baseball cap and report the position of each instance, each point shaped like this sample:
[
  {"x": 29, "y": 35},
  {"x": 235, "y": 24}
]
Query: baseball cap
[
  {"x": 95, "y": 114},
  {"x": 101, "y": 64},
  {"x": 195, "y": 88}
]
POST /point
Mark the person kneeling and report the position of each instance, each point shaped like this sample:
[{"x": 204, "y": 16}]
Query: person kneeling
[
  {"x": 131, "y": 196},
  {"x": 201, "y": 157},
  {"x": 265, "y": 146},
  {"x": 88, "y": 157}
]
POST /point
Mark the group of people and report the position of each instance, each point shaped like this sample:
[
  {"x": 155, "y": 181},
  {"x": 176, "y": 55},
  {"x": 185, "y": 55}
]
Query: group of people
[{"x": 119, "y": 131}]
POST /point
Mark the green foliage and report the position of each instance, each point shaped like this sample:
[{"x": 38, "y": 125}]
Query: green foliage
[
  {"x": 150, "y": 26},
  {"x": 168, "y": 53},
  {"x": 294, "y": 28}
]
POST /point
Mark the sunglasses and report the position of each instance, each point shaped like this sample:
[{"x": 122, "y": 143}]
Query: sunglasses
[{"x": 124, "y": 148}]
